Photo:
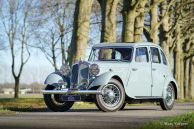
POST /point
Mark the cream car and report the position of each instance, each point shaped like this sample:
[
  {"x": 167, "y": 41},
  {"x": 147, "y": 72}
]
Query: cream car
[{"x": 115, "y": 74}]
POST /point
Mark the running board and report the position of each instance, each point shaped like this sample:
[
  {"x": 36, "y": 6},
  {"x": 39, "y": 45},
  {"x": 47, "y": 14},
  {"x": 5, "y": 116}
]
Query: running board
[{"x": 71, "y": 92}]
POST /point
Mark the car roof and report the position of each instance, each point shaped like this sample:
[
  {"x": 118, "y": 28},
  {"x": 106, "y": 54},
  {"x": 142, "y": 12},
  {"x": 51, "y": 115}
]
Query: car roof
[{"x": 126, "y": 44}]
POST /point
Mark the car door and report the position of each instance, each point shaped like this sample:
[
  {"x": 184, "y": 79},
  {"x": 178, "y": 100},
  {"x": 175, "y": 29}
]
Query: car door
[
  {"x": 158, "y": 72},
  {"x": 140, "y": 75}
]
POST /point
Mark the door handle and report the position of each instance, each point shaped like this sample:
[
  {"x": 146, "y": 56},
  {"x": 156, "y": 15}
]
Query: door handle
[
  {"x": 153, "y": 69},
  {"x": 134, "y": 69}
]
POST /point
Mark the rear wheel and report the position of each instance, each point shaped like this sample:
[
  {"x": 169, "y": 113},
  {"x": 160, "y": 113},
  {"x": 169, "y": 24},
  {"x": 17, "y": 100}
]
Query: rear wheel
[
  {"x": 167, "y": 102},
  {"x": 113, "y": 96},
  {"x": 54, "y": 103}
]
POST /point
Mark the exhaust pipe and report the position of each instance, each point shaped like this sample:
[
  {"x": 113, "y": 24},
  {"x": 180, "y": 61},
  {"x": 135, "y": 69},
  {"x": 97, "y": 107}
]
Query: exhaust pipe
[{"x": 71, "y": 92}]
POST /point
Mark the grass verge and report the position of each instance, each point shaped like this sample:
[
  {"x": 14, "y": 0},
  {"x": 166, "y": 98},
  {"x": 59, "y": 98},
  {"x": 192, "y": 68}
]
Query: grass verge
[
  {"x": 33, "y": 105},
  {"x": 185, "y": 121}
]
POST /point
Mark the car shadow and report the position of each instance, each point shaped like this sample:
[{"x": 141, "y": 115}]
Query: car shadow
[
  {"x": 137, "y": 109},
  {"x": 17, "y": 109}
]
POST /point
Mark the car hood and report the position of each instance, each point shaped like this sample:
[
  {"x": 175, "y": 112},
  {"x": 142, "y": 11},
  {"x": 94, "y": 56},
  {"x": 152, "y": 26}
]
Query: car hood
[{"x": 115, "y": 66}]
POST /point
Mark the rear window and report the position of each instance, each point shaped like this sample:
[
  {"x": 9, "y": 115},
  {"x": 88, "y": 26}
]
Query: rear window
[
  {"x": 155, "y": 55},
  {"x": 164, "y": 60}
]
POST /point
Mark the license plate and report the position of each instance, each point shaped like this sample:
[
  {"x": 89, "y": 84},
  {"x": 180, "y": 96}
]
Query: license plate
[{"x": 71, "y": 98}]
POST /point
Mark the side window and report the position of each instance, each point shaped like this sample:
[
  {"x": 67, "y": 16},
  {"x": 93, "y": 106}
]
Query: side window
[
  {"x": 163, "y": 58},
  {"x": 155, "y": 55},
  {"x": 141, "y": 54}
]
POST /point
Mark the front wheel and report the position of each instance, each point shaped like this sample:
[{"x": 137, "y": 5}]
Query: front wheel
[
  {"x": 167, "y": 102},
  {"x": 113, "y": 96},
  {"x": 54, "y": 103}
]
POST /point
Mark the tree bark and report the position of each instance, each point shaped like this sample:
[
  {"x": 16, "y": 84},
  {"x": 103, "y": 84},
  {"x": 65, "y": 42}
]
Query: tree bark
[
  {"x": 129, "y": 14},
  {"x": 186, "y": 78},
  {"x": 179, "y": 62},
  {"x": 17, "y": 83},
  {"x": 63, "y": 48},
  {"x": 139, "y": 21},
  {"x": 191, "y": 79},
  {"x": 77, "y": 48},
  {"x": 165, "y": 28},
  {"x": 154, "y": 22},
  {"x": 109, "y": 13}
]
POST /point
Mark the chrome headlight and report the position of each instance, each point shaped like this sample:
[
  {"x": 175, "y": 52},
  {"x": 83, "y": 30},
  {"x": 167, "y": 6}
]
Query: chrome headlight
[
  {"x": 65, "y": 70},
  {"x": 94, "y": 69}
]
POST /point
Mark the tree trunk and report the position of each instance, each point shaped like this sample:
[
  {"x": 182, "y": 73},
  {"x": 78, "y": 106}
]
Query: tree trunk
[
  {"x": 108, "y": 10},
  {"x": 165, "y": 28},
  {"x": 191, "y": 79},
  {"x": 53, "y": 50},
  {"x": 186, "y": 78},
  {"x": 179, "y": 62},
  {"x": 129, "y": 15},
  {"x": 154, "y": 22},
  {"x": 63, "y": 50},
  {"x": 77, "y": 48},
  {"x": 17, "y": 83},
  {"x": 139, "y": 21}
]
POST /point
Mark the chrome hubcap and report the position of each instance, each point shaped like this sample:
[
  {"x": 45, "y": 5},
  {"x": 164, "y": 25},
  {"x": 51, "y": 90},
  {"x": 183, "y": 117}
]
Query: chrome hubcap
[
  {"x": 169, "y": 96},
  {"x": 111, "y": 95}
]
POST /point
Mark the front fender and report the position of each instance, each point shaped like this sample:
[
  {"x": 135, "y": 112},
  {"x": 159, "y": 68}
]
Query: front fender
[
  {"x": 56, "y": 79},
  {"x": 102, "y": 79}
]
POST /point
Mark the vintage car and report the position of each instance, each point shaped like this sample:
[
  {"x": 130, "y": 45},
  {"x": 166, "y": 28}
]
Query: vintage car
[{"x": 115, "y": 74}]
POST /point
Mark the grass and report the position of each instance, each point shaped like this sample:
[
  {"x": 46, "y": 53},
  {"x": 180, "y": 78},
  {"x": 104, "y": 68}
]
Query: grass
[
  {"x": 33, "y": 105},
  {"x": 185, "y": 121},
  {"x": 22, "y": 96},
  {"x": 184, "y": 100},
  {"x": 22, "y": 104}
]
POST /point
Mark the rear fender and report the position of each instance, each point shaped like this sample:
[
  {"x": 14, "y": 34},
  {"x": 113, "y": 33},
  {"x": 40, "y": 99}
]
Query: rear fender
[{"x": 175, "y": 85}]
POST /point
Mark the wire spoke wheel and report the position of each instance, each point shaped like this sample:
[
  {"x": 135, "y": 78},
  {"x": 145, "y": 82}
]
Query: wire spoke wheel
[
  {"x": 167, "y": 102},
  {"x": 112, "y": 98},
  {"x": 169, "y": 96}
]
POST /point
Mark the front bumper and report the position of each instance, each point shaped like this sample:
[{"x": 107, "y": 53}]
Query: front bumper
[{"x": 69, "y": 91}]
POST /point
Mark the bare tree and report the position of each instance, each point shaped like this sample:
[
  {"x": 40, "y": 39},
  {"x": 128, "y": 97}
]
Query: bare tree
[
  {"x": 15, "y": 21},
  {"x": 49, "y": 46}
]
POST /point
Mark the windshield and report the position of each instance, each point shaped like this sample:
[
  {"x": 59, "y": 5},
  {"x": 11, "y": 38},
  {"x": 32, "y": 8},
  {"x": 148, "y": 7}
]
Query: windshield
[{"x": 111, "y": 54}]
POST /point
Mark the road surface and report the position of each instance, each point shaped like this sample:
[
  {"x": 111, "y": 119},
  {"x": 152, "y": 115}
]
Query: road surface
[{"x": 131, "y": 116}]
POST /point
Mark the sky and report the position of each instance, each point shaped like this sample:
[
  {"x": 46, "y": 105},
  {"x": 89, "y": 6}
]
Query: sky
[{"x": 36, "y": 69}]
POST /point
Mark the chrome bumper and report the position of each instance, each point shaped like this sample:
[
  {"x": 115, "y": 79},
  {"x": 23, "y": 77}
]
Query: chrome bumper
[{"x": 68, "y": 91}]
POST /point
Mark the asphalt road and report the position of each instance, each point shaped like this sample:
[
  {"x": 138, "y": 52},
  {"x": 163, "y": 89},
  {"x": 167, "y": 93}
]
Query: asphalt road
[{"x": 132, "y": 116}]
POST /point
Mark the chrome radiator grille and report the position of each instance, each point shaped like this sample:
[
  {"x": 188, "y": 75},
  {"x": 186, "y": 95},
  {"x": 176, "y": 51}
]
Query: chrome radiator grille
[
  {"x": 74, "y": 75},
  {"x": 80, "y": 75}
]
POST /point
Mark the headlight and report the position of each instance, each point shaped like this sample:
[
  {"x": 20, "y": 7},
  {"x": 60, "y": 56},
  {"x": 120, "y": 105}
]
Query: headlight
[
  {"x": 94, "y": 69},
  {"x": 65, "y": 69}
]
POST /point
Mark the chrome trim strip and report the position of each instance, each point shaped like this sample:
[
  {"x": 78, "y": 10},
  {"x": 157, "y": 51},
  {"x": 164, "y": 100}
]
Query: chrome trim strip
[
  {"x": 71, "y": 92},
  {"x": 148, "y": 97}
]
